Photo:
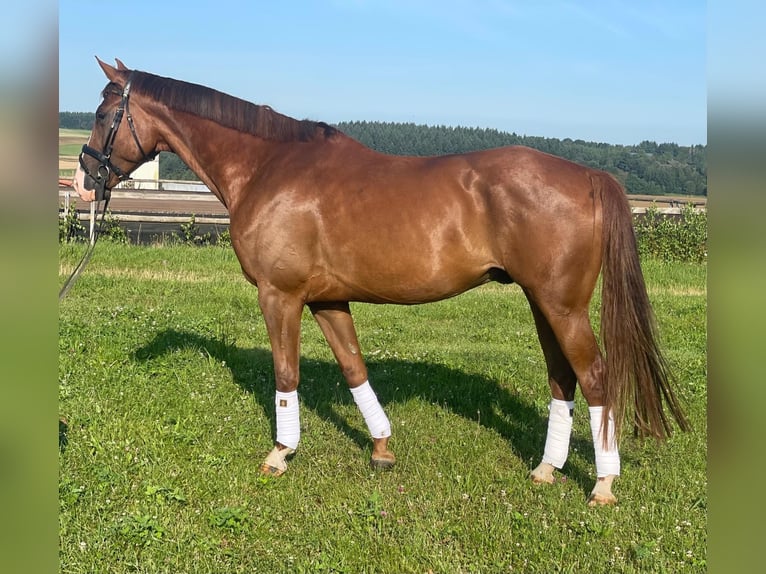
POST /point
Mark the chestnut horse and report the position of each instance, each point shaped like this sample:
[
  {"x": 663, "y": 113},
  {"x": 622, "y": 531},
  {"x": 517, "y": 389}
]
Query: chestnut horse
[{"x": 319, "y": 219}]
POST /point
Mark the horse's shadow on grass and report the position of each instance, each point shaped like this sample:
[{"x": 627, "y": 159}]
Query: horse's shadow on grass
[{"x": 469, "y": 395}]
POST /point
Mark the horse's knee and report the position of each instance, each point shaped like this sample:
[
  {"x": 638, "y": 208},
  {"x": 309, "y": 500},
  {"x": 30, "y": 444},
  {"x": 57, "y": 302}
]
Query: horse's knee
[
  {"x": 286, "y": 380},
  {"x": 354, "y": 375}
]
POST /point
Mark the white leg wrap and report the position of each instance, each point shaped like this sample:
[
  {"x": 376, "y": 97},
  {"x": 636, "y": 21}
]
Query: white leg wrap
[
  {"x": 559, "y": 431},
  {"x": 288, "y": 419},
  {"x": 607, "y": 460},
  {"x": 376, "y": 419}
]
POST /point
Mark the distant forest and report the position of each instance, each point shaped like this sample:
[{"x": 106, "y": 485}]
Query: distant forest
[{"x": 647, "y": 168}]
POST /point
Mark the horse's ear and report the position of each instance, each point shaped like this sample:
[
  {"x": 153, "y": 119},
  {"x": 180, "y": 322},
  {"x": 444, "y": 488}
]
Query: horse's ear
[
  {"x": 120, "y": 65},
  {"x": 110, "y": 71}
]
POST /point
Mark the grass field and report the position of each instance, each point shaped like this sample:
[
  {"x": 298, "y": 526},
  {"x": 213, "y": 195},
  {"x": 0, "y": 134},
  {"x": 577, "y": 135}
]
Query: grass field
[
  {"x": 166, "y": 398},
  {"x": 70, "y": 145}
]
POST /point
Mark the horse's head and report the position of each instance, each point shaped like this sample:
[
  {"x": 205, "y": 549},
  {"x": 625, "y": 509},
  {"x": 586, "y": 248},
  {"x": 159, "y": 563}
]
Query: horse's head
[{"x": 122, "y": 138}]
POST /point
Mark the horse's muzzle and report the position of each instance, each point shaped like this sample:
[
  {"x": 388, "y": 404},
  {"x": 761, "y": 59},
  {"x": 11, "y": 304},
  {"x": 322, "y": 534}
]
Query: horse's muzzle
[
  {"x": 98, "y": 180},
  {"x": 97, "y": 185},
  {"x": 78, "y": 183}
]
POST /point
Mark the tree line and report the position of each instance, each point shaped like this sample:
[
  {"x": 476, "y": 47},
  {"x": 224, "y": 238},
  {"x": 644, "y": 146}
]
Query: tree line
[{"x": 647, "y": 168}]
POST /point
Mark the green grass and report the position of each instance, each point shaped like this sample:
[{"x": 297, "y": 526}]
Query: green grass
[
  {"x": 70, "y": 141},
  {"x": 166, "y": 389},
  {"x": 70, "y": 149}
]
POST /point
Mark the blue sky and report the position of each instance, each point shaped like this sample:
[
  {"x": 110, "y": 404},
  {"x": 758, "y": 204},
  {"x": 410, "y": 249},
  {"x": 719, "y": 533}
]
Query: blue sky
[{"x": 604, "y": 70}]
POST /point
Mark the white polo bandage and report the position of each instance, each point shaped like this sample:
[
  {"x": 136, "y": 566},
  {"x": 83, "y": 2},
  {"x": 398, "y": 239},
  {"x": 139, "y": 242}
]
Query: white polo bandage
[
  {"x": 560, "y": 420},
  {"x": 607, "y": 459},
  {"x": 288, "y": 419},
  {"x": 376, "y": 419}
]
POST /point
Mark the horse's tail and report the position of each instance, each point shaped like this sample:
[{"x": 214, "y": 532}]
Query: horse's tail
[{"x": 636, "y": 370}]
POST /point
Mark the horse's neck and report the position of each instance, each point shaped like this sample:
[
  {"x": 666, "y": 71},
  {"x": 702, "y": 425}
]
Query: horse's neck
[{"x": 195, "y": 143}]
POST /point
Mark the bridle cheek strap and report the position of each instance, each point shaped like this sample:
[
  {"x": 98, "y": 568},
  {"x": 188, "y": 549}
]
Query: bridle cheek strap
[{"x": 99, "y": 180}]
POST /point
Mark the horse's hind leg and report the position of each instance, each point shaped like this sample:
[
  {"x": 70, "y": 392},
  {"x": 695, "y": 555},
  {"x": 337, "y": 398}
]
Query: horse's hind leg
[
  {"x": 338, "y": 328},
  {"x": 563, "y": 382},
  {"x": 571, "y": 326}
]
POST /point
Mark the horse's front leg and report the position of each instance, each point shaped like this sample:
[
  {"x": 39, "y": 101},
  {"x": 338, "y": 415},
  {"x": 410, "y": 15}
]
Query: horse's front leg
[
  {"x": 338, "y": 328},
  {"x": 282, "y": 314}
]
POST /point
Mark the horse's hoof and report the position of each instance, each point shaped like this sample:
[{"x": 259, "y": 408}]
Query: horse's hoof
[
  {"x": 543, "y": 474},
  {"x": 275, "y": 464},
  {"x": 542, "y": 479},
  {"x": 602, "y": 492},
  {"x": 268, "y": 470},
  {"x": 381, "y": 458},
  {"x": 601, "y": 500},
  {"x": 383, "y": 461}
]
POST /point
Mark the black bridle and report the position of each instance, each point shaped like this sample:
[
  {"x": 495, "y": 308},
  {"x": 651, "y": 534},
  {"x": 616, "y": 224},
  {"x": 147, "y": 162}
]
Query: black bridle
[{"x": 98, "y": 181}]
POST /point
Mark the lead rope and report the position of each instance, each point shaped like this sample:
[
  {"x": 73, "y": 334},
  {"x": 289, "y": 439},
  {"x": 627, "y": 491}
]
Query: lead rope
[{"x": 87, "y": 255}]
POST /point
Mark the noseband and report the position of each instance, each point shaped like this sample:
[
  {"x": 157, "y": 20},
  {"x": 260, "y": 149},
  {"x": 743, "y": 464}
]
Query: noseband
[{"x": 98, "y": 180}]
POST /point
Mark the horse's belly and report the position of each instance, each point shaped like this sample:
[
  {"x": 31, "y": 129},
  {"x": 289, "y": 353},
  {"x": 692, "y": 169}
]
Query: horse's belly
[{"x": 403, "y": 282}]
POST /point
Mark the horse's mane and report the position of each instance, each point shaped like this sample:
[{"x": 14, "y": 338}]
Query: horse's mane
[{"x": 229, "y": 111}]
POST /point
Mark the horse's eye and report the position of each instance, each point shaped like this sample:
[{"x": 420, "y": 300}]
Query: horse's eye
[{"x": 100, "y": 116}]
